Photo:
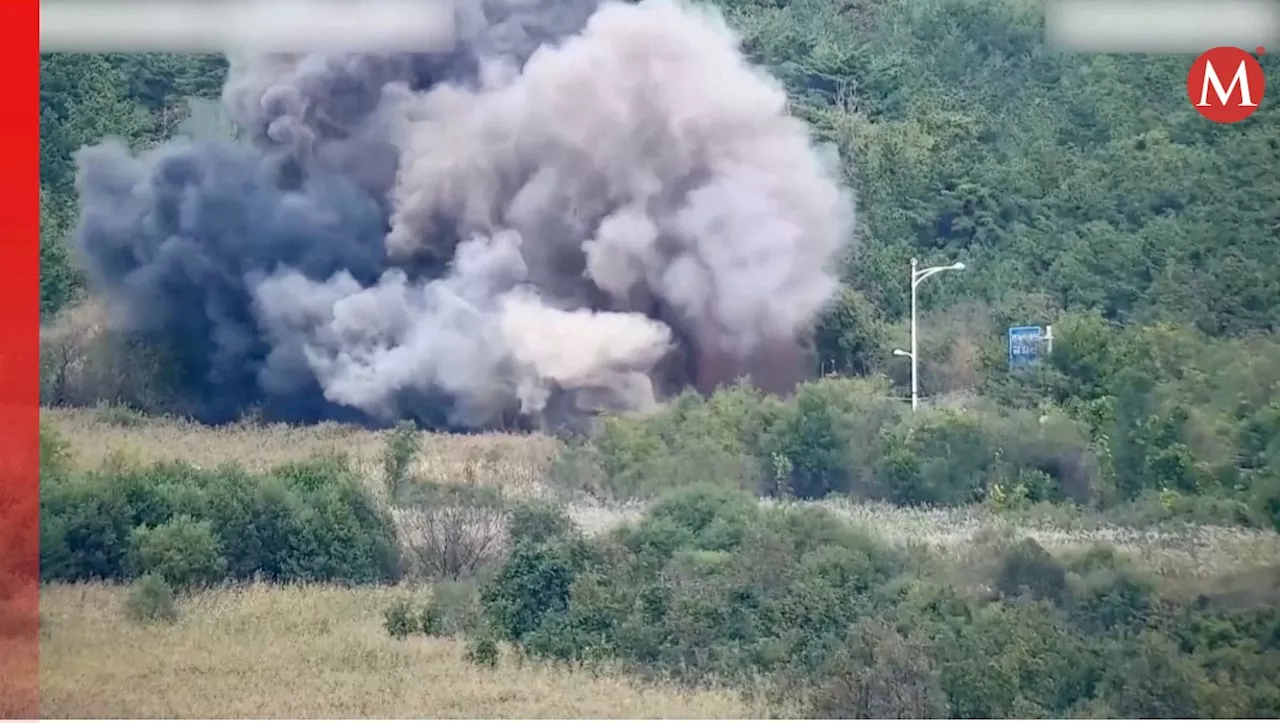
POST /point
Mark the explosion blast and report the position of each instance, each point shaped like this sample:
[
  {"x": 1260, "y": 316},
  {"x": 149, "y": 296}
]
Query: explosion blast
[{"x": 567, "y": 206}]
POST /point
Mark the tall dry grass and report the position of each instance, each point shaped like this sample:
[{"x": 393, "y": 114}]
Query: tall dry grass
[
  {"x": 19, "y": 678},
  {"x": 310, "y": 652},
  {"x": 517, "y": 462},
  {"x": 1174, "y": 551}
]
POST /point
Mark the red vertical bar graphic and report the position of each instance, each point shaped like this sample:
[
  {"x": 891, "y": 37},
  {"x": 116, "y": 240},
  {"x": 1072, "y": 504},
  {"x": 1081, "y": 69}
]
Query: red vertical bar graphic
[{"x": 19, "y": 359}]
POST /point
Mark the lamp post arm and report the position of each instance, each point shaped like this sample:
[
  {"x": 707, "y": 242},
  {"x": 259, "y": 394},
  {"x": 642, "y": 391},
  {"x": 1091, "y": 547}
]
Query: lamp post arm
[{"x": 926, "y": 273}]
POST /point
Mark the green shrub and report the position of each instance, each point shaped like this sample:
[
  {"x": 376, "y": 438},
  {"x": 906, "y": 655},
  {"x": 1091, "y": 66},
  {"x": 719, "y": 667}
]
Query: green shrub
[
  {"x": 319, "y": 473},
  {"x": 1013, "y": 660},
  {"x": 533, "y": 523},
  {"x": 939, "y": 457},
  {"x": 431, "y": 622},
  {"x": 344, "y": 536},
  {"x": 692, "y": 440},
  {"x": 706, "y": 588},
  {"x": 1028, "y": 567},
  {"x": 1111, "y": 599},
  {"x": 714, "y": 517},
  {"x": 85, "y": 528},
  {"x": 260, "y": 520},
  {"x": 308, "y": 521},
  {"x": 706, "y": 585},
  {"x": 55, "y": 454},
  {"x": 151, "y": 599},
  {"x": 533, "y": 583},
  {"x": 1266, "y": 499},
  {"x": 878, "y": 673},
  {"x": 850, "y": 336},
  {"x": 398, "y": 458},
  {"x": 182, "y": 552},
  {"x": 822, "y": 434},
  {"x": 1147, "y": 678},
  {"x": 398, "y": 619},
  {"x": 483, "y": 651}
]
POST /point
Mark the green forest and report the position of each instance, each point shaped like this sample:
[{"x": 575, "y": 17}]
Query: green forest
[{"x": 1081, "y": 191}]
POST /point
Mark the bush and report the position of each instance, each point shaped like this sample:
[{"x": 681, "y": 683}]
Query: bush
[
  {"x": 117, "y": 415},
  {"x": 850, "y": 337},
  {"x": 151, "y": 600},
  {"x": 841, "y": 436},
  {"x": 825, "y": 438},
  {"x": 432, "y": 620},
  {"x": 939, "y": 457},
  {"x": 397, "y": 461},
  {"x": 483, "y": 651},
  {"x": 880, "y": 674},
  {"x": 533, "y": 523},
  {"x": 1029, "y": 568},
  {"x": 692, "y": 440},
  {"x": 713, "y": 518},
  {"x": 304, "y": 522},
  {"x": 344, "y": 536},
  {"x": 183, "y": 552},
  {"x": 532, "y": 583},
  {"x": 1108, "y": 595},
  {"x": 85, "y": 528},
  {"x": 55, "y": 454},
  {"x": 706, "y": 585},
  {"x": 398, "y": 619}
]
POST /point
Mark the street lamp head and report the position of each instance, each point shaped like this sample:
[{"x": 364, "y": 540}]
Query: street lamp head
[
  {"x": 958, "y": 266},
  {"x": 899, "y": 352}
]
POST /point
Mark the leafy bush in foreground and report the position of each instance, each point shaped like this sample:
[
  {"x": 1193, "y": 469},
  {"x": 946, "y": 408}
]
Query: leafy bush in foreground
[
  {"x": 311, "y": 521},
  {"x": 182, "y": 552},
  {"x": 151, "y": 599}
]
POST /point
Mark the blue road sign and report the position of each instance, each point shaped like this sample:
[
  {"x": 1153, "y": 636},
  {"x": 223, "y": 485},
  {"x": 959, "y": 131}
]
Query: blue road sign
[{"x": 1025, "y": 345}]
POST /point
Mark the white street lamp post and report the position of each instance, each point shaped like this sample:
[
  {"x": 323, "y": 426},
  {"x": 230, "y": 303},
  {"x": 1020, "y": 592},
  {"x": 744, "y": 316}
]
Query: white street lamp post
[{"x": 916, "y": 278}]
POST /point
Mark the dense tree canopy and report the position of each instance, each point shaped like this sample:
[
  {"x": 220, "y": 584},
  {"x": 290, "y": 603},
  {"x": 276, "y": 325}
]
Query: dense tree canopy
[{"x": 1085, "y": 179}]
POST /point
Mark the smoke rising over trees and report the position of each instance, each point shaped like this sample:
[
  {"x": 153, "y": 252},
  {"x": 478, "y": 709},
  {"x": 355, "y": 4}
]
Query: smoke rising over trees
[{"x": 571, "y": 207}]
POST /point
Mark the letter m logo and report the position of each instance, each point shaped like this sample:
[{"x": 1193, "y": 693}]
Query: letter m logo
[
  {"x": 1229, "y": 102},
  {"x": 1241, "y": 78}
]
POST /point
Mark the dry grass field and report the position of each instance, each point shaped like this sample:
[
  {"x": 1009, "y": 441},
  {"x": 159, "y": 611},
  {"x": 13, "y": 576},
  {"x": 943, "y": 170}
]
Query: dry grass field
[
  {"x": 515, "y": 461},
  {"x": 309, "y": 652},
  {"x": 18, "y": 675},
  {"x": 1179, "y": 551}
]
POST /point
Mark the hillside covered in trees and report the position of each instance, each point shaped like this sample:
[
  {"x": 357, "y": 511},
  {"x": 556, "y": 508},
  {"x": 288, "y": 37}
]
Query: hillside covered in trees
[{"x": 1067, "y": 182}]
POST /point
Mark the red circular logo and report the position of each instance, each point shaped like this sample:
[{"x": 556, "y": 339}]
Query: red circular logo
[{"x": 1226, "y": 85}]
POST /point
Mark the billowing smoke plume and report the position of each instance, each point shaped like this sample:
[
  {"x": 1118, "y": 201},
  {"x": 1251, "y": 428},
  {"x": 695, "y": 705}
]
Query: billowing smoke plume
[{"x": 564, "y": 207}]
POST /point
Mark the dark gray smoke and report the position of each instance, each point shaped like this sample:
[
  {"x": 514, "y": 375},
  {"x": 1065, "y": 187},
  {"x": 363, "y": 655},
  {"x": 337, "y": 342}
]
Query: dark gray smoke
[{"x": 564, "y": 207}]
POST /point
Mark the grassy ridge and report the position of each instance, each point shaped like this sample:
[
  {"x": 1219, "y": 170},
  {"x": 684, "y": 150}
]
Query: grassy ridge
[{"x": 515, "y": 461}]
